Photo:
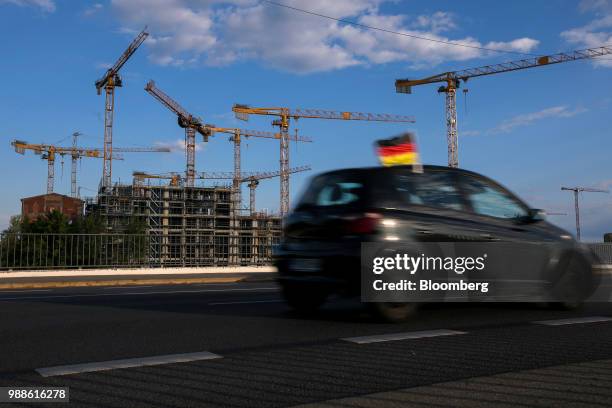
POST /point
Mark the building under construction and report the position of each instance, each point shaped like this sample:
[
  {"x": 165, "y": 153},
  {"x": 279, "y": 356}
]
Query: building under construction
[{"x": 189, "y": 226}]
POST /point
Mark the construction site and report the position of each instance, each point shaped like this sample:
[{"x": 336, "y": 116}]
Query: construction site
[
  {"x": 210, "y": 224},
  {"x": 184, "y": 224}
]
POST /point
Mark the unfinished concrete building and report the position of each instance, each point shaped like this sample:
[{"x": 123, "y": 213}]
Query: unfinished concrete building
[{"x": 189, "y": 226}]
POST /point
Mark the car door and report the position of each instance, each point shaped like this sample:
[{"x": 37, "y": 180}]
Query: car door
[
  {"x": 500, "y": 214},
  {"x": 433, "y": 206},
  {"x": 523, "y": 256}
]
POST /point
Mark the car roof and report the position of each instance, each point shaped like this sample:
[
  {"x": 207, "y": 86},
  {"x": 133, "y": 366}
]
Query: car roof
[{"x": 381, "y": 169}]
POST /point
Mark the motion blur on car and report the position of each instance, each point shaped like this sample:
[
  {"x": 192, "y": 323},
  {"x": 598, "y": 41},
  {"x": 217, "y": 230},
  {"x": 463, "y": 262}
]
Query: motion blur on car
[{"x": 319, "y": 254}]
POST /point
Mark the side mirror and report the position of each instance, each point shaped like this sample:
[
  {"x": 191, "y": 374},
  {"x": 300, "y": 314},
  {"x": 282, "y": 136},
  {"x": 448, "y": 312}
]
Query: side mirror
[{"x": 536, "y": 214}]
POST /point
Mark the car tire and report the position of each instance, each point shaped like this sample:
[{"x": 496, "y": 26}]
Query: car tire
[
  {"x": 575, "y": 282},
  {"x": 304, "y": 299},
  {"x": 393, "y": 312}
]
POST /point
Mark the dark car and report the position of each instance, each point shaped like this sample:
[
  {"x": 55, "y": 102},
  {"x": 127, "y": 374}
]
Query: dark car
[{"x": 320, "y": 250}]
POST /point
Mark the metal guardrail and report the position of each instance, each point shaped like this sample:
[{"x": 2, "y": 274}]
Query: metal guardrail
[
  {"x": 79, "y": 251},
  {"x": 603, "y": 250}
]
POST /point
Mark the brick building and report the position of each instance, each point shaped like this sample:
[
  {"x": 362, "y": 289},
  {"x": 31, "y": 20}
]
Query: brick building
[{"x": 35, "y": 206}]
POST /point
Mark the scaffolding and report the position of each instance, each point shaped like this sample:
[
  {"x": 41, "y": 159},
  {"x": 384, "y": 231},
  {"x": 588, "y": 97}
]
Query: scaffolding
[{"x": 189, "y": 226}]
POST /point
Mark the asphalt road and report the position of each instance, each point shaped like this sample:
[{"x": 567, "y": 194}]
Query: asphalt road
[{"x": 254, "y": 352}]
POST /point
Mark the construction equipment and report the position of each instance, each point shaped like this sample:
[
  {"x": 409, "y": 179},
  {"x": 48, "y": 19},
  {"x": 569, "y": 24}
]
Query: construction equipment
[
  {"x": 140, "y": 176},
  {"x": 73, "y": 177},
  {"x": 237, "y": 134},
  {"x": 576, "y": 191},
  {"x": 453, "y": 81},
  {"x": 48, "y": 152},
  {"x": 191, "y": 123},
  {"x": 252, "y": 178},
  {"x": 109, "y": 81},
  {"x": 242, "y": 112}
]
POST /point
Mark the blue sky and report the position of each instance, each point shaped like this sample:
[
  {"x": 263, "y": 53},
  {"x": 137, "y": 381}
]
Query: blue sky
[{"x": 533, "y": 131}]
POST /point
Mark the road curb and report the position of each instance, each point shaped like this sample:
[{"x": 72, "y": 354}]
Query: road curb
[{"x": 120, "y": 282}]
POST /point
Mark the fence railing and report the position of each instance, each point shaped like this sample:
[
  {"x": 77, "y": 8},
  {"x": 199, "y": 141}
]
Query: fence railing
[
  {"x": 55, "y": 251},
  {"x": 603, "y": 251}
]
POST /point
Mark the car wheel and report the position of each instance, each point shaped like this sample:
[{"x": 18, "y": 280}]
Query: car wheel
[
  {"x": 574, "y": 284},
  {"x": 393, "y": 312},
  {"x": 304, "y": 298}
]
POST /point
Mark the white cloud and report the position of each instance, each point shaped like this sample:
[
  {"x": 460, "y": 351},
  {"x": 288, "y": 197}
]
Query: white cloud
[
  {"x": 177, "y": 146},
  {"x": 103, "y": 65},
  {"x": 597, "y": 32},
  {"x": 45, "y": 5},
  {"x": 93, "y": 9},
  {"x": 526, "y": 119},
  {"x": 220, "y": 32}
]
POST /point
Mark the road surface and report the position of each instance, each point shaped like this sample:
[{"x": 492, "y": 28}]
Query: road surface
[{"x": 238, "y": 345}]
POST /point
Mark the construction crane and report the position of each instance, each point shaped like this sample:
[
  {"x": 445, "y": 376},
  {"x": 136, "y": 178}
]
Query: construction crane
[
  {"x": 109, "y": 81},
  {"x": 252, "y": 178},
  {"x": 242, "y": 112},
  {"x": 453, "y": 81},
  {"x": 49, "y": 152},
  {"x": 140, "y": 176},
  {"x": 237, "y": 134},
  {"x": 191, "y": 123},
  {"x": 577, "y": 191}
]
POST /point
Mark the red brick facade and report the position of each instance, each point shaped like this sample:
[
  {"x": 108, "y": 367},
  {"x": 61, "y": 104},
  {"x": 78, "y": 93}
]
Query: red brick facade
[{"x": 35, "y": 206}]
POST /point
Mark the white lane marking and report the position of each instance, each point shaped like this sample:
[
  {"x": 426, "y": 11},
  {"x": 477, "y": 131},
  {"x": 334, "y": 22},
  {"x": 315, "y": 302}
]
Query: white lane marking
[
  {"x": 577, "y": 320},
  {"x": 402, "y": 336},
  {"x": 25, "y": 290},
  {"x": 135, "y": 293},
  {"x": 127, "y": 287},
  {"x": 245, "y": 302},
  {"x": 125, "y": 363}
]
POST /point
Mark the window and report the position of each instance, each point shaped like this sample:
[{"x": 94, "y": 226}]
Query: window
[
  {"x": 333, "y": 190},
  {"x": 338, "y": 194},
  {"x": 433, "y": 189},
  {"x": 491, "y": 200}
]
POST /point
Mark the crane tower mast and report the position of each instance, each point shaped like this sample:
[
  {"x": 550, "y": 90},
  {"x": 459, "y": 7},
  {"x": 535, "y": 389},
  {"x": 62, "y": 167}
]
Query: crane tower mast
[
  {"x": 284, "y": 115},
  {"x": 453, "y": 80},
  {"x": 109, "y": 81}
]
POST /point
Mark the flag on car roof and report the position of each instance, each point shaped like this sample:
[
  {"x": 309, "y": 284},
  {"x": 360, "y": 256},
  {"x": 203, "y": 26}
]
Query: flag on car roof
[{"x": 399, "y": 150}]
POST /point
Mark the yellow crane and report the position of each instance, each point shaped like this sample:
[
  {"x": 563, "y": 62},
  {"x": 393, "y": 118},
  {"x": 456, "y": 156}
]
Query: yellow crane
[
  {"x": 236, "y": 137},
  {"x": 109, "y": 81},
  {"x": 48, "y": 152},
  {"x": 140, "y": 177},
  {"x": 242, "y": 112},
  {"x": 453, "y": 79},
  {"x": 186, "y": 120},
  {"x": 252, "y": 178}
]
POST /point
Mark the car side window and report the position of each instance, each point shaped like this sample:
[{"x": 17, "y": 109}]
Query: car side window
[
  {"x": 333, "y": 191},
  {"x": 491, "y": 200},
  {"x": 338, "y": 193},
  {"x": 432, "y": 189}
]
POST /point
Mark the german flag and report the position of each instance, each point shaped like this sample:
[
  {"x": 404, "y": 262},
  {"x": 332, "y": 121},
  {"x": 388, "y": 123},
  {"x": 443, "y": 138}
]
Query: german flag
[{"x": 399, "y": 150}]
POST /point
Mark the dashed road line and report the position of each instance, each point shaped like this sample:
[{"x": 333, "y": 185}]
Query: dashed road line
[
  {"x": 402, "y": 336},
  {"x": 125, "y": 363},
  {"x": 577, "y": 320}
]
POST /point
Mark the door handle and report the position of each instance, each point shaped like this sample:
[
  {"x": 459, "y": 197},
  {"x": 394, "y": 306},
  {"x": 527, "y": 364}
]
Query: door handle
[{"x": 423, "y": 231}]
